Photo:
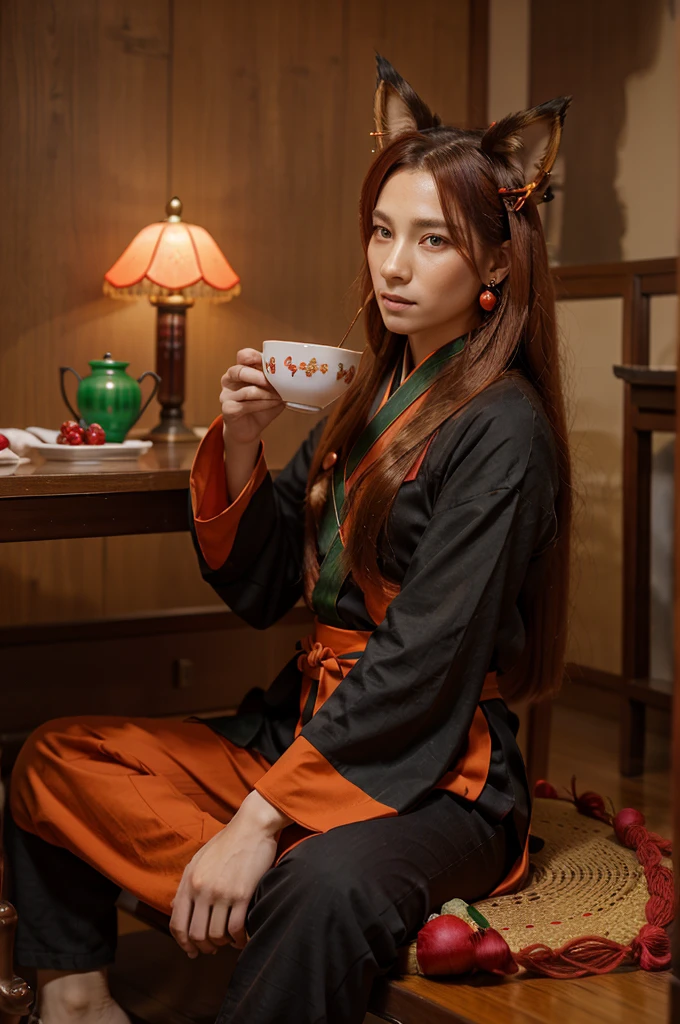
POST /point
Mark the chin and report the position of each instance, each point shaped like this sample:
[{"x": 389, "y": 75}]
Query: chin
[{"x": 400, "y": 323}]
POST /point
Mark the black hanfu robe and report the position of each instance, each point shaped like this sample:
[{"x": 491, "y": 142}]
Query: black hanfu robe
[{"x": 468, "y": 533}]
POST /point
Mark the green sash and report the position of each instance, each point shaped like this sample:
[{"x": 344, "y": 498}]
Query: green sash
[{"x": 331, "y": 574}]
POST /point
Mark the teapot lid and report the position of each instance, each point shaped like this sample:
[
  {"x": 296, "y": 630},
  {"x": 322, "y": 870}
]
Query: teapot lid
[{"x": 108, "y": 362}]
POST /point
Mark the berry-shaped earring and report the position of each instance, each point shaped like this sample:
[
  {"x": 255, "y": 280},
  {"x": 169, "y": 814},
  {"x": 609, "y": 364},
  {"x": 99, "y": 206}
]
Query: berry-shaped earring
[{"x": 490, "y": 296}]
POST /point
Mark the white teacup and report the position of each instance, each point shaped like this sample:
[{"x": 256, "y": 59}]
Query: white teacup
[{"x": 308, "y": 377}]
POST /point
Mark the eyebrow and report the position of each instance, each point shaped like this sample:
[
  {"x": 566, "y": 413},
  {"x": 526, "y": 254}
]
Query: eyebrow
[{"x": 420, "y": 223}]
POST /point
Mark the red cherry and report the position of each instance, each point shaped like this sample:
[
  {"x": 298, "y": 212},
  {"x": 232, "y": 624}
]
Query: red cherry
[
  {"x": 95, "y": 434},
  {"x": 4, "y": 443},
  {"x": 62, "y": 439},
  {"x": 68, "y": 425},
  {"x": 75, "y": 437}
]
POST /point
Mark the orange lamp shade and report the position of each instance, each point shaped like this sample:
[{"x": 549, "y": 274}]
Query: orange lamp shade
[{"x": 172, "y": 256}]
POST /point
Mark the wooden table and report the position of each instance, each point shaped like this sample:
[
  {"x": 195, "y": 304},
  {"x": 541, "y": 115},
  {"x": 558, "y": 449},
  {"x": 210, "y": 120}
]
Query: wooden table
[
  {"x": 57, "y": 501},
  {"x": 650, "y": 406}
]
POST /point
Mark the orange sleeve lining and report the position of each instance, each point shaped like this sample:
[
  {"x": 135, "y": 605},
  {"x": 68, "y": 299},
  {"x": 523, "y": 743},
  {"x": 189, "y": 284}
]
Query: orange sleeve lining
[
  {"x": 216, "y": 521},
  {"x": 306, "y": 787}
]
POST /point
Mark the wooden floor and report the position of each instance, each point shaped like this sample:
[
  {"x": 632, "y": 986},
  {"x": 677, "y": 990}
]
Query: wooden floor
[{"x": 586, "y": 746}]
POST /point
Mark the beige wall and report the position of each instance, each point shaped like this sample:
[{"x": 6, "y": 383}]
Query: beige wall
[{"x": 647, "y": 151}]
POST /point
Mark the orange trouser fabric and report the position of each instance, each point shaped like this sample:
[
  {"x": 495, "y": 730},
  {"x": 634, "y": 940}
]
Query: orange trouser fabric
[{"x": 135, "y": 798}]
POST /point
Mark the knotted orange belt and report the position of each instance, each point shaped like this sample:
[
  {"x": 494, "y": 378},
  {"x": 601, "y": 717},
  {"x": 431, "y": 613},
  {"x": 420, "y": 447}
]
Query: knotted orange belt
[{"x": 329, "y": 654}]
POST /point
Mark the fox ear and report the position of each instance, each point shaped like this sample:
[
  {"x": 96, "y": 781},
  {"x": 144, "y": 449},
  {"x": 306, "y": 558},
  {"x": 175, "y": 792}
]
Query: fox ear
[
  {"x": 397, "y": 108},
  {"x": 530, "y": 139}
]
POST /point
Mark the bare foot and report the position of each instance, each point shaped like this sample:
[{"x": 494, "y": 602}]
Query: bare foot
[{"x": 77, "y": 998}]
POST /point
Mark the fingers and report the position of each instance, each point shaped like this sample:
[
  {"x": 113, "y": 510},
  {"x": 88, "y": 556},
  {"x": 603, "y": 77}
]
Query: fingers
[
  {"x": 249, "y": 357},
  {"x": 233, "y": 408},
  {"x": 237, "y": 921},
  {"x": 198, "y": 928},
  {"x": 180, "y": 921},
  {"x": 238, "y": 376},
  {"x": 217, "y": 929}
]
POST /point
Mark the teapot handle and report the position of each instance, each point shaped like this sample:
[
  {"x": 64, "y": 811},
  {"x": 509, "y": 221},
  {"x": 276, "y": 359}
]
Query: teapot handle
[
  {"x": 63, "y": 370},
  {"x": 147, "y": 373}
]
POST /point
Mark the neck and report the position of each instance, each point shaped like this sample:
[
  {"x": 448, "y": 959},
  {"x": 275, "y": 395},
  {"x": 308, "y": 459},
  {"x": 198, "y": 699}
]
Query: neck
[{"x": 424, "y": 343}]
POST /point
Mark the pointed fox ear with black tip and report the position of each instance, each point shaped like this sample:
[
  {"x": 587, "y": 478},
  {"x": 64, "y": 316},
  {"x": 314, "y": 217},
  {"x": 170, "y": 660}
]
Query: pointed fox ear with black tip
[
  {"x": 529, "y": 139},
  {"x": 397, "y": 107}
]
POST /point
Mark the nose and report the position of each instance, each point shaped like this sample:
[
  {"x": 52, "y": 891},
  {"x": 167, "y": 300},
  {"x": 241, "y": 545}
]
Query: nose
[{"x": 396, "y": 265}]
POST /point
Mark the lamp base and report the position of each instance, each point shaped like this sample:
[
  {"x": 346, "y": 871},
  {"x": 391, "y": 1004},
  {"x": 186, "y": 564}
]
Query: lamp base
[
  {"x": 170, "y": 351},
  {"x": 172, "y": 430}
]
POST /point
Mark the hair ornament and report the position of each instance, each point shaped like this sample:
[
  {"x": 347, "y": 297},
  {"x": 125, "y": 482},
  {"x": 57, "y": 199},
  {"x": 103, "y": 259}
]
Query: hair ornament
[{"x": 530, "y": 140}]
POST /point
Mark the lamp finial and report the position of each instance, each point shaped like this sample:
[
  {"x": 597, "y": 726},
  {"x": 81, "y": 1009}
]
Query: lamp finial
[{"x": 174, "y": 210}]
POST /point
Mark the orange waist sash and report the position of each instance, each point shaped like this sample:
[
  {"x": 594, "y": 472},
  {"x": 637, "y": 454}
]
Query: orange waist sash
[{"x": 329, "y": 654}]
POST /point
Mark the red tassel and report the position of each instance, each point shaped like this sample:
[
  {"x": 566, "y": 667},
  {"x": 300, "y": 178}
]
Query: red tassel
[
  {"x": 593, "y": 954},
  {"x": 626, "y": 817},
  {"x": 546, "y": 790},
  {"x": 590, "y": 804}
]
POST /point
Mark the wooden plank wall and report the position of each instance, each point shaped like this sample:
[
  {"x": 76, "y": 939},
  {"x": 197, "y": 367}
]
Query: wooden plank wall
[{"x": 257, "y": 115}]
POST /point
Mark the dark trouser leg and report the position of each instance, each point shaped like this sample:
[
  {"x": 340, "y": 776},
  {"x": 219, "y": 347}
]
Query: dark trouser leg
[
  {"x": 332, "y": 914},
  {"x": 67, "y": 913}
]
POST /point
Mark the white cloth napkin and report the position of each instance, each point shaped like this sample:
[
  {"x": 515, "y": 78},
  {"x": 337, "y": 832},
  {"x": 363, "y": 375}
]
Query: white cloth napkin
[{"x": 21, "y": 440}]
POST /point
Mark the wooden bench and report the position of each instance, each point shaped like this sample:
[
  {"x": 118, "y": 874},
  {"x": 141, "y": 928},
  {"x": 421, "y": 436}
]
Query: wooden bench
[{"x": 157, "y": 984}]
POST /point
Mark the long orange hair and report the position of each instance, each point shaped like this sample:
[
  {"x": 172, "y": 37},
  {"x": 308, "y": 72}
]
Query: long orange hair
[{"x": 520, "y": 337}]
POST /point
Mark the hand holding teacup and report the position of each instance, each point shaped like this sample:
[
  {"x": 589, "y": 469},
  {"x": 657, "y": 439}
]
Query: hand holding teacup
[{"x": 249, "y": 402}]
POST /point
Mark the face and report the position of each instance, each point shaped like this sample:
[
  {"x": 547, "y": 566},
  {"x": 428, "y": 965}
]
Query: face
[{"x": 423, "y": 286}]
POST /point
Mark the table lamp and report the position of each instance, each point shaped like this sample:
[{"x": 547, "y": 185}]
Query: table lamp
[{"x": 173, "y": 263}]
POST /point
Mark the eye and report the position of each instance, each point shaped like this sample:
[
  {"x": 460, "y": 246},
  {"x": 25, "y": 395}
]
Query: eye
[
  {"x": 436, "y": 241},
  {"x": 380, "y": 231}
]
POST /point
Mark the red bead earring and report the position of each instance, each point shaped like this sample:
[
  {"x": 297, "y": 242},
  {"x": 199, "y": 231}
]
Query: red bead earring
[{"x": 490, "y": 296}]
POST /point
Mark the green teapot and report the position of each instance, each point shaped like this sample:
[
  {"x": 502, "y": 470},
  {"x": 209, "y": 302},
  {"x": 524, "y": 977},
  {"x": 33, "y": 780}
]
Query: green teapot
[{"x": 108, "y": 396}]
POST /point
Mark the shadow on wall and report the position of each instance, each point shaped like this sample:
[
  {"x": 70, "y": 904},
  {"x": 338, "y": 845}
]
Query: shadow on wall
[
  {"x": 663, "y": 501},
  {"x": 588, "y": 50}
]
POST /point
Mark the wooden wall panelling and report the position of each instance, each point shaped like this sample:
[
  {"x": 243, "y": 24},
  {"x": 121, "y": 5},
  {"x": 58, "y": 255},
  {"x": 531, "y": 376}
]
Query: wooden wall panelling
[
  {"x": 256, "y": 158},
  {"x": 154, "y": 572},
  {"x": 271, "y": 114},
  {"x": 83, "y": 91},
  {"x": 272, "y": 106}
]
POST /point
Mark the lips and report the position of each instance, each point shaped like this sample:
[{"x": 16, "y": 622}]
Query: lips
[{"x": 395, "y": 301}]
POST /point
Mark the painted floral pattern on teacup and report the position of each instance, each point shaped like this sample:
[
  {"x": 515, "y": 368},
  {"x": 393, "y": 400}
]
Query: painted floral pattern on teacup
[
  {"x": 345, "y": 374},
  {"x": 271, "y": 365},
  {"x": 309, "y": 368}
]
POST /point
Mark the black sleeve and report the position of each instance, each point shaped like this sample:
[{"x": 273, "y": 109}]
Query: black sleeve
[{"x": 401, "y": 717}]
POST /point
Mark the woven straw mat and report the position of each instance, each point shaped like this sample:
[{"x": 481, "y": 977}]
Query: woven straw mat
[{"x": 582, "y": 882}]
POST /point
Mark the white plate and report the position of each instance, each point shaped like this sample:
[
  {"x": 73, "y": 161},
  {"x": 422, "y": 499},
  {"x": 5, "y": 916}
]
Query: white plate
[{"x": 91, "y": 452}]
